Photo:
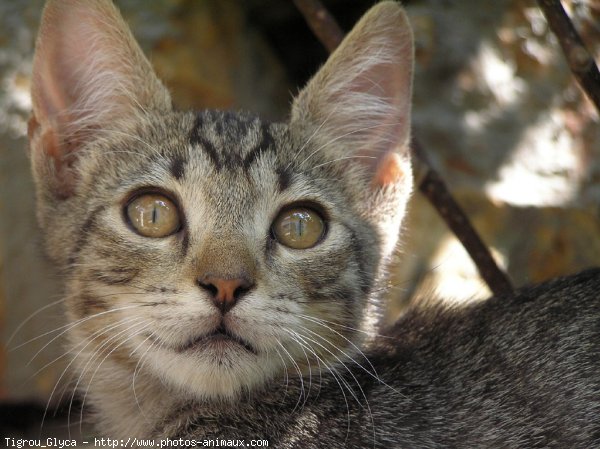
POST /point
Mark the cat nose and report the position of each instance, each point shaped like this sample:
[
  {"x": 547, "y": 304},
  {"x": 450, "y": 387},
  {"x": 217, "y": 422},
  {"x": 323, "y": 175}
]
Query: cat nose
[{"x": 225, "y": 293}]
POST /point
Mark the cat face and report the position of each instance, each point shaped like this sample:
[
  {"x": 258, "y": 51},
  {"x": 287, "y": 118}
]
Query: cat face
[
  {"x": 226, "y": 191},
  {"x": 209, "y": 250}
]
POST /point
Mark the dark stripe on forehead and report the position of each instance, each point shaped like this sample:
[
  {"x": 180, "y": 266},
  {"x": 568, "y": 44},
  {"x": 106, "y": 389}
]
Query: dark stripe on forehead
[
  {"x": 177, "y": 167},
  {"x": 266, "y": 144},
  {"x": 198, "y": 140},
  {"x": 284, "y": 179},
  {"x": 229, "y": 122}
]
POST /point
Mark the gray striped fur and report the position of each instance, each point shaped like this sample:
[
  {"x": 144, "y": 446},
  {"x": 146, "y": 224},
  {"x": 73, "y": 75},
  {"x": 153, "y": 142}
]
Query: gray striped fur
[{"x": 306, "y": 364}]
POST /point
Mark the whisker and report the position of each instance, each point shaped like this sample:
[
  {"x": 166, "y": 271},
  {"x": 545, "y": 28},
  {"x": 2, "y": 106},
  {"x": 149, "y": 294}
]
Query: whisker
[
  {"x": 26, "y": 320},
  {"x": 64, "y": 372},
  {"x": 341, "y": 136},
  {"x": 368, "y": 406},
  {"x": 299, "y": 375},
  {"x": 68, "y": 327},
  {"x": 353, "y": 329},
  {"x": 309, "y": 373},
  {"x": 135, "y": 334},
  {"x": 137, "y": 369},
  {"x": 338, "y": 159},
  {"x": 287, "y": 379},
  {"x": 334, "y": 374},
  {"x": 90, "y": 338},
  {"x": 315, "y": 132},
  {"x": 372, "y": 374}
]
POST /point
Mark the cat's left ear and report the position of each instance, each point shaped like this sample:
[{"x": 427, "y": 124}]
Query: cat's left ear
[
  {"x": 358, "y": 104},
  {"x": 89, "y": 77}
]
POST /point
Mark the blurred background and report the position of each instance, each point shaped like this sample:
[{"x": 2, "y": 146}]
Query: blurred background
[{"x": 495, "y": 107}]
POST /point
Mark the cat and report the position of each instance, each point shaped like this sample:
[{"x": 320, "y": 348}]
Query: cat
[{"x": 224, "y": 275}]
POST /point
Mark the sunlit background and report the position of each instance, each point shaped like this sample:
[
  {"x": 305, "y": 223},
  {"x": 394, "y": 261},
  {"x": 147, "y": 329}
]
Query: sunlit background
[{"x": 495, "y": 107}]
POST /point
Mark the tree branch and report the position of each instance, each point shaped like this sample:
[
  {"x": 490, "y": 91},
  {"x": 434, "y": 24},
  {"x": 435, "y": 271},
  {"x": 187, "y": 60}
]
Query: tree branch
[
  {"x": 432, "y": 185},
  {"x": 435, "y": 190},
  {"x": 321, "y": 22},
  {"x": 578, "y": 57}
]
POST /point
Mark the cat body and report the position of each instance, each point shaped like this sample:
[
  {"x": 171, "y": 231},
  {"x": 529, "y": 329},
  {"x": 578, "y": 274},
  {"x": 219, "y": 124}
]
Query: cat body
[{"x": 224, "y": 275}]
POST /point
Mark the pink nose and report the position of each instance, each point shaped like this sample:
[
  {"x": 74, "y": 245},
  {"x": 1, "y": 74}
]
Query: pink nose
[{"x": 225, "y": 293}]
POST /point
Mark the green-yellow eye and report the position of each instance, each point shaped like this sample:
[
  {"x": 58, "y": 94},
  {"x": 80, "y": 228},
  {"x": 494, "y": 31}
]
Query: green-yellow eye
[
  {"x": 299, "y": 228},
  {"x": 153, "y": 215}
]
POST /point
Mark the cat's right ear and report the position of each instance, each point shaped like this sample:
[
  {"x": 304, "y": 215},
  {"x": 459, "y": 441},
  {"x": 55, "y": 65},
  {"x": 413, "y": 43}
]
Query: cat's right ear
[
  {"x": 89, "y": 76},
  {"x": 358, "y": 103}
]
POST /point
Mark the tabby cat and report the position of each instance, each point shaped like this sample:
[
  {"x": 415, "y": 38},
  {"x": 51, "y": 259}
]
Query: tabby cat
[{"x": 224, "y": 275}]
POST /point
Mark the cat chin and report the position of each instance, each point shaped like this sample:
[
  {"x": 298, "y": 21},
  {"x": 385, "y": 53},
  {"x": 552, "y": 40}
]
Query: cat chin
[{"x": 212, "y": 375}]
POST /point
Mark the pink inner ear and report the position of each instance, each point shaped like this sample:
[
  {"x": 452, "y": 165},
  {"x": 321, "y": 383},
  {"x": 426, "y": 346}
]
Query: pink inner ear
[
  {"x": 390, "y": 170},
  {"x": 62, "y": 58},
  {"x": 88, "y": 69}
]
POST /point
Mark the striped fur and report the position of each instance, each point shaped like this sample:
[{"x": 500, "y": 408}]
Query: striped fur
[{"x": 301, "y": 365}]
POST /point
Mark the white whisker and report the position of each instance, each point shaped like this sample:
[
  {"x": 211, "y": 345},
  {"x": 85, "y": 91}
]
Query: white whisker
[{"x": 26, "y": 320}]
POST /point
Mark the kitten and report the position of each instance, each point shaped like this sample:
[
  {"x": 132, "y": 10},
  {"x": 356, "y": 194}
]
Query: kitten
[{"x": 224, "y": 274}]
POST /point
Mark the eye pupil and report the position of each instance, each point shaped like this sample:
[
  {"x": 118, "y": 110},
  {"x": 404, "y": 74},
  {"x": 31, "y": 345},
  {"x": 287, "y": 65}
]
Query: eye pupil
[
  {"x": 298, "y": 228},
  {"x": 153, "y": 215}
]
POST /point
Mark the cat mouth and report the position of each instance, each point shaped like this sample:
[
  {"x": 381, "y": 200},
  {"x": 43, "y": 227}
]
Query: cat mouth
[{"x": 221, "y": 338}]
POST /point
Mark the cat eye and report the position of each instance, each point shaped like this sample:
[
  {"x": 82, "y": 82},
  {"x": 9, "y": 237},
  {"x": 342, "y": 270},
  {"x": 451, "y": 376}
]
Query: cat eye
[
  {"x": 298, "y": 227},
  {"x": 153, "y": 215}
]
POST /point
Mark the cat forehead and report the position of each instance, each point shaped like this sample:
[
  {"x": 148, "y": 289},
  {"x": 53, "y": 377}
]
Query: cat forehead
[
  {"x": 206, "y": 142},
  {"x": 221, "y": 157},
  {"x": 234, "y": 153},
  {"x": 233, "y": 141}
]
